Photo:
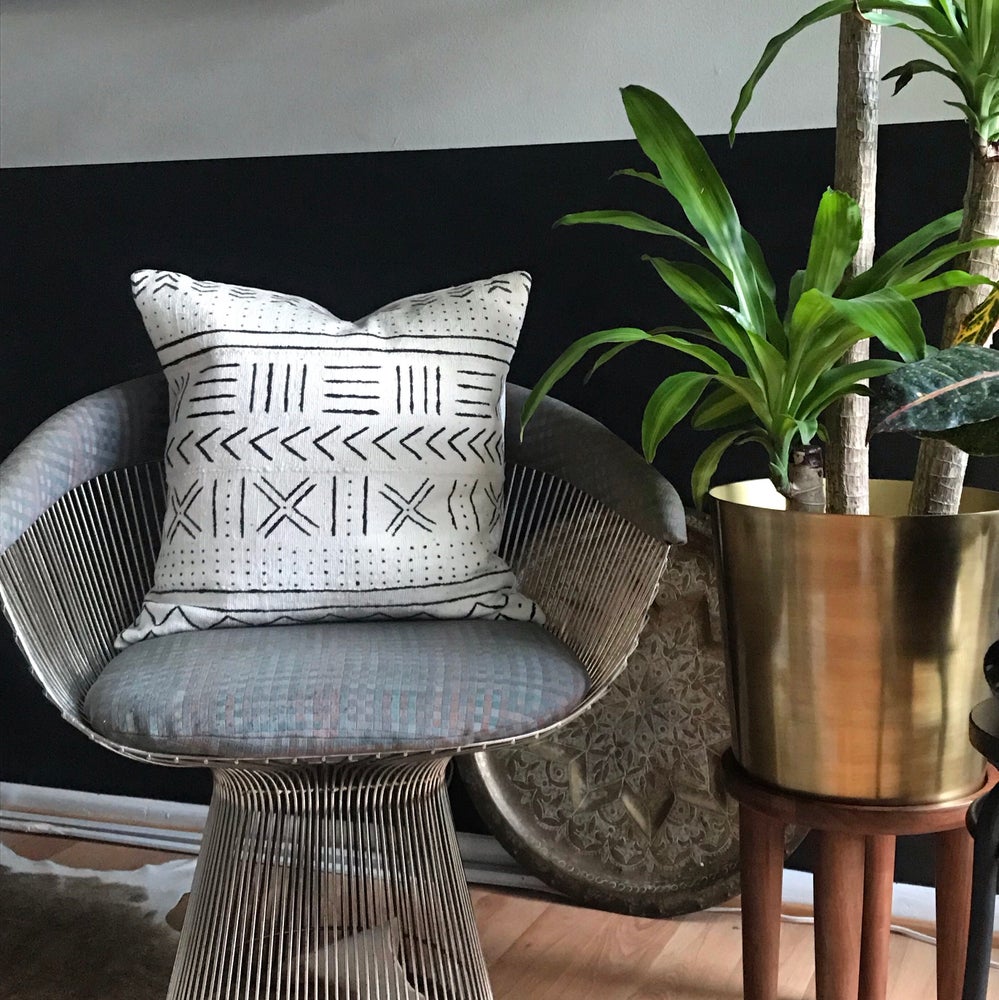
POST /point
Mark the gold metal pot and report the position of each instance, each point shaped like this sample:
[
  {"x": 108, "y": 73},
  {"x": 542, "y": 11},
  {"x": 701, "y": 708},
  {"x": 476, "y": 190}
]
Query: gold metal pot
[{"x": 855, "y": 644}]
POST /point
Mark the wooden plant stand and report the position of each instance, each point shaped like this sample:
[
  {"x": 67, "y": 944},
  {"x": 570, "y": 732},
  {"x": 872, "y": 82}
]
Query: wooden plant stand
[
  {"x": 983, "y": 820},
  {"x": 853, "y": 886}
]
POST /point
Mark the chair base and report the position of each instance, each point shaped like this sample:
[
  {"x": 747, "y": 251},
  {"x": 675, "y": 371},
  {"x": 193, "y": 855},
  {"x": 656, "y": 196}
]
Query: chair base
[{"x": 330, "y": 882}]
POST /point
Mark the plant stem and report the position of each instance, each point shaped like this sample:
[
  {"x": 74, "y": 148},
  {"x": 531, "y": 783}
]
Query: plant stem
[
  {"x": 940, "y": 469},
  {"x": 847, "y": 474},
  {"x": 806, "y": 490}
]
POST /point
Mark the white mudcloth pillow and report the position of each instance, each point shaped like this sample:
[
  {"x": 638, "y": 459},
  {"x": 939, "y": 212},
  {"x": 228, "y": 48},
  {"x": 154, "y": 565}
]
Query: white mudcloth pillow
[{"x": 321, "y": 470}]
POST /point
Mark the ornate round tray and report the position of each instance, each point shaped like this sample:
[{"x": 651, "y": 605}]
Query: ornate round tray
[{"x": 624, "y": 808}]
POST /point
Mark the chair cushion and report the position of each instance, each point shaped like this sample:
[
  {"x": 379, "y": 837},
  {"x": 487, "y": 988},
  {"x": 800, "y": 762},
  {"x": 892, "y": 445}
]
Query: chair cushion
[
  {"x": 314, "y": 690},
  {"x": 320, "y": 469}
]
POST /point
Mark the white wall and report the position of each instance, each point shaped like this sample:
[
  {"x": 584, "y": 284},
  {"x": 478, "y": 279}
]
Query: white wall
[{"x": 89, "y": 81}]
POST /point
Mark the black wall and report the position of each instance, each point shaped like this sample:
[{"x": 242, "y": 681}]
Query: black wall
[{"x": 355, "y": 231}]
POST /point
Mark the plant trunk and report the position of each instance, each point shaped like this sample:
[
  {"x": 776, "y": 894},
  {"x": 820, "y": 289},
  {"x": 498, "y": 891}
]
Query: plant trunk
[
  {"x": 807, "y": 487},
  {"x": 940, "y": 469},
  {"x": 847, "y": 476}
]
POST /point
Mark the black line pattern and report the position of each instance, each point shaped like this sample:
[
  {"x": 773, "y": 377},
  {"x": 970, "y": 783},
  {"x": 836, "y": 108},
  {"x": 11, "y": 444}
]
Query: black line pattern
[
  {"x": 408, "y": 508},
  {"x": 479, "y": 394},
  {"x": 181, "y": 518},
  {"x": 166, "y": 363},
  {"x": 413, "y": 392},
  {"x": 179, "y": 389},
  {"x": 323, "y": 437},
  {"x": 343, "y": 505},
  {"x": 200, "y": 443},
  {"x": 271, "y": 450},
  {"x": 495, "y": 500},
  {"x": 352, "y": 394},
  {"x": 285, "y": 507},
  {"x": 232, "y": 437}
]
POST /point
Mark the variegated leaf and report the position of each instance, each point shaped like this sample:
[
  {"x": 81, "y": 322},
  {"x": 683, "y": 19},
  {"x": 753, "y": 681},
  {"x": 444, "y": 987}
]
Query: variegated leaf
[
  {"x": 951, "y": 388},
  {"x": 980, "y": 324}
]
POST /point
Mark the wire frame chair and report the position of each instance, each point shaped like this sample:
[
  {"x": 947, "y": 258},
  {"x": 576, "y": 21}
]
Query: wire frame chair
[{"x": 336, "y": 876}]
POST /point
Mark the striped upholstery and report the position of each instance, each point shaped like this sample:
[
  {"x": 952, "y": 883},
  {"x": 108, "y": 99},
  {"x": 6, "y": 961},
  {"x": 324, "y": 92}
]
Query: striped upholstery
[
  {"x": 311, "y": 690},
  {"x": 118, "y": 427}
]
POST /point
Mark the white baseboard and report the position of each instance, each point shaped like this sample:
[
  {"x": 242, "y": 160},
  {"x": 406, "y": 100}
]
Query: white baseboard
[{"x": 177, "y": 826}]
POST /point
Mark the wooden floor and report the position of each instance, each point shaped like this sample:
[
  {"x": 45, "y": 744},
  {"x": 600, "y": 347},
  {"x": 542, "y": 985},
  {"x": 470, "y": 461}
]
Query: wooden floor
[{"x": 538, "y": 949}]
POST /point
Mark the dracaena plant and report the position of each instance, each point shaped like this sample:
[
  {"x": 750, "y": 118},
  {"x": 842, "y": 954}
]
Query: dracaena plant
[
  {"x": 963, "y": 36},
  {"x": 764, "y": 374}
]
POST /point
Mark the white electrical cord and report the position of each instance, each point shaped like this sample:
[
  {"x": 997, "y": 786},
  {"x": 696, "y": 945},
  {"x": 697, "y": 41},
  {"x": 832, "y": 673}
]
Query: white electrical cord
[{"x": 895, "y": 928}]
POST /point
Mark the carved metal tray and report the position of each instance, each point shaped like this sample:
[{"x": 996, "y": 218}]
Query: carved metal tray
[{"x": 624, "y": 808}]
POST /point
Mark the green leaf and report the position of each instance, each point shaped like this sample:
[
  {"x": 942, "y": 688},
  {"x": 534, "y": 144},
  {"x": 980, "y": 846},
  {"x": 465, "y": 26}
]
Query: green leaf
[
  {"x": 704, "y": 354},
  {"x": 835, "y": 238},
  {"x": 691, "y": 177},
  {"x": 709, "y": 357},
  {"x": 774, "y": 46},
  {"x": 976, "y": 439},
  {"x": 927, "y": 11},
  {"x": 721, "y": 408},
  {"x": 940, "y": 283},
  {"x": 568, "y": 358},
  {"x": 841, "y": 381},
  {"x": 889, "y": 317},
  {"x": 959, "y": 41},
  {"x": 641, "y": 175},
  {"x": 639, "y": 224},
  {"x": 795, "y": 287},
  {"x": 774, "y": 331},
  {"x": 918, "y": 268},
  {"x": 685, "y": 167},
  {"x": 608, "y": 355},
  {"x": 668, "y": 405},
  {"x": 751, "y": 392},
  {"x": 706, "y": 293},
  {"x": 822, "y": 328},
  {"x": 707, "y": 464},
  {"x": 807, "y": 428},
  {"x": 903, "y": 74},
  {"x": 952, "y": 388},
  {"x": 889, "y": 263}
]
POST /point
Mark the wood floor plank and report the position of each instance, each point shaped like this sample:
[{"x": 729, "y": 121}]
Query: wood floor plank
[
  {"x": 702, "y": 960},
  {"x": 33, "y": 846},
  {"x": 111, "y": 857},
  {"x": 503, "y": 918},
  {"x": 541, "y": 949},
  {"x": 585, "y": 954}
]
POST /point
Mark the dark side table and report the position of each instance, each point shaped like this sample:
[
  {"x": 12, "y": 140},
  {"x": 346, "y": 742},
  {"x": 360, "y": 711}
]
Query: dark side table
[
  {"x": 854, "y": 874},
  {"x": 983, "y": 821}
]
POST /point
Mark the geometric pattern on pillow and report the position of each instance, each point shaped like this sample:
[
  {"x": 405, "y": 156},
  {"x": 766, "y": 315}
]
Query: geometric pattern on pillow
[{"x": 322, "y": 470}]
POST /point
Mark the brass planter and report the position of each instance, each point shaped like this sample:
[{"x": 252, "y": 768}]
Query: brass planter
[{"x": 855, "y": 644}]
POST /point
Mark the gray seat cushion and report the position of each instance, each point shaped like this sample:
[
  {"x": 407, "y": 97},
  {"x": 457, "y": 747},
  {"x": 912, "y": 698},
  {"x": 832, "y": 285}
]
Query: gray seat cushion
[{"x": 314, "y": 690}]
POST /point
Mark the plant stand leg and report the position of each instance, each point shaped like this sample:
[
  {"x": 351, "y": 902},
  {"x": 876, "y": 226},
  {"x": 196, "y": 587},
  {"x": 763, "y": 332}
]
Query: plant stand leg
[
  {"x": 983, "y": 896},
  {"x": 954, "y": 861},
  {"x": 879, "y": 877},
  {"x": 839, "y": 912},
  {"x": 761, "y": 852}
]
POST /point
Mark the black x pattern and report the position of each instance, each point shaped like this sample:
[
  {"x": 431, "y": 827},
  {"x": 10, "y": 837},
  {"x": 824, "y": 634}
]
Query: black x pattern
[
  {"x": 408, "y": 508},
  {"x": 285, "y": 507},
  {"x": 180, "y": 507}
]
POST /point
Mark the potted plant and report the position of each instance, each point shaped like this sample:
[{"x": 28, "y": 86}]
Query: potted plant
[
  {"x": 963, "y": 39},
  {"x": 854, "y": 643}
]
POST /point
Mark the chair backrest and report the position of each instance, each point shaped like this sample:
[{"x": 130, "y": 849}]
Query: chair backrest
[{"x": 82, "y": 504}]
